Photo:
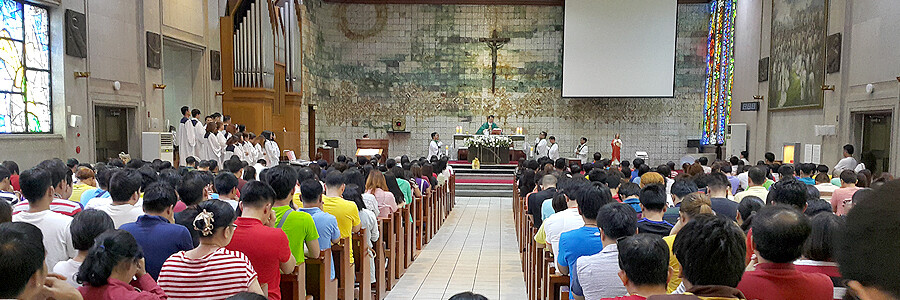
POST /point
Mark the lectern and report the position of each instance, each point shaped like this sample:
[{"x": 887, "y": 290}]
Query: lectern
[{"x": 374, "y": 144}]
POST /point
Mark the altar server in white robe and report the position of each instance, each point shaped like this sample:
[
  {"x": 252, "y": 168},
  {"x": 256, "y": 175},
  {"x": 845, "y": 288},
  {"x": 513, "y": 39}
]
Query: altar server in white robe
[
  {"x": 553, "y": 149},
  {"x": 581, "y": 152},
  {"x": 435, "y": 146},
  {"x": 199, "y": 132},
  {"x": 250, "y": 153},
  {"x": 258, "y": 145},
  {"x": 186, "y": 136},
  {"x": 213, "y": 147},
  {"x": 272, "y": 152},
  {"x": 233, "y": 148},
  {"x": 541, "y": 148},
  {"x": 223, "y": 142}
]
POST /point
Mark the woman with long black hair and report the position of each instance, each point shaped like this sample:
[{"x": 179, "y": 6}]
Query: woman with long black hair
[{"x": 111, "y": 264}]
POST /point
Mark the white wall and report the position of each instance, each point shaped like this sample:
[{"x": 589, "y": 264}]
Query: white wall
[
  {"x": 117, "y": 52},
  {"x": 871, "y": 31}
]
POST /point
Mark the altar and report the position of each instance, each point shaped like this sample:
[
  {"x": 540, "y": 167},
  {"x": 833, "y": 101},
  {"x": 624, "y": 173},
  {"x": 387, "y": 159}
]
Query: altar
[{"x": 493, "y": 154}]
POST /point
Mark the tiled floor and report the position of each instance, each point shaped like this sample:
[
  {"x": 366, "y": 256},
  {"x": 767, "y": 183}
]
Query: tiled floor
[{"x": 475, "y": 250}]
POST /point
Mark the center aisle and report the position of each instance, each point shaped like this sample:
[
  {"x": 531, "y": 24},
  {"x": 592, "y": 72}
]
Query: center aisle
[{"x": 475, "y": 250}]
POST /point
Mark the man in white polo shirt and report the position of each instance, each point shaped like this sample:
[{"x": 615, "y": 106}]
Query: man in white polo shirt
[
  {"x": 37, "y": 188},
  {"x": 562, "y": 221}
]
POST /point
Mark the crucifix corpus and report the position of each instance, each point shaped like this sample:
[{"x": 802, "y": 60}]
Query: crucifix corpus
[{"x": 495, "y": 43}]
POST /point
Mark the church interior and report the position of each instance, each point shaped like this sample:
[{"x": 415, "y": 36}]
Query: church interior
[{"x": 470, "y": 105}]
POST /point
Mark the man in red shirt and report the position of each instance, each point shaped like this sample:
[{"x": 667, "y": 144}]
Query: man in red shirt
[
  {"x": 266, "y": 247},
  {"x": 868, "y": 250},
  {"x": 778, "y": 236}
]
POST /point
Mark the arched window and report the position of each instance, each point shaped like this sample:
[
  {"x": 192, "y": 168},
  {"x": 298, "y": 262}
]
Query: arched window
[{"x": 24, "y": 68}]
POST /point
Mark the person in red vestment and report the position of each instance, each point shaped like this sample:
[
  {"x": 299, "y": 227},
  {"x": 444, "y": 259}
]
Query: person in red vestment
[{"x": 616, "y": 149}]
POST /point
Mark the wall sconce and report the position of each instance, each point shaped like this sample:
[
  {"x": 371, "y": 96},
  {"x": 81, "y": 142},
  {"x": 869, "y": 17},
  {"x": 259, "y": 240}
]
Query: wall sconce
[
  {"x": 88, "y": 74},
  {"x": 828, "y": 87},
  {"x": 898, "y": 78},
  {"x": 159, "y": 86},
  {"x": 758, "y": 97},
  {"x": 220, "y": 94}
]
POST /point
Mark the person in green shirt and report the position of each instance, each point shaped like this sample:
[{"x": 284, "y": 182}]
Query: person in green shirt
[
  {"x": 299, "y": 226},
  {"x": 489, "y": 125}
]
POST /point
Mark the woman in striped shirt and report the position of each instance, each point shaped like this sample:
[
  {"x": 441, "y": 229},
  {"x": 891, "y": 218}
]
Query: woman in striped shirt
[{"x": 210, "y": 271}]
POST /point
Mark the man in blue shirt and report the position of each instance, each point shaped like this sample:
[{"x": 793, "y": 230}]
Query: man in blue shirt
[
  {"x": 806, "y": 173},
  {"x": 155, "y": 231},
  {"x": 103, "y": 175},
  {"x": 326, "y": 224},
  {"x": 585, "y": 240}
]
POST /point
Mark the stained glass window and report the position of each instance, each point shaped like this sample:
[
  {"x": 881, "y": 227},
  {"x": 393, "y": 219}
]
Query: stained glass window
[
  {"x": 719, "y": 71},
  {"x": 24, "y": 68}
]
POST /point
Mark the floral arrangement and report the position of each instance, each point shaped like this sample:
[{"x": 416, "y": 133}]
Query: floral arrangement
[{"x": 488, "y": 141}]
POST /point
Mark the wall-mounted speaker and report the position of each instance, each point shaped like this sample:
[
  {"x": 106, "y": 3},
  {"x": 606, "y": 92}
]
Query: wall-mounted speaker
[{"x": 399, "y": 124}]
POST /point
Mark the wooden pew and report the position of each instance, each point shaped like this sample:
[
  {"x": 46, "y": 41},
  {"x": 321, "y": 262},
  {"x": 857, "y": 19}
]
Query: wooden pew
[
  {"x": 343, "y": 268},
  {"x": 318, "y": 277},
  {"x": 409, "y": 235},
  {"x": 433, "y": 212},
  {"x": 399, "y": 246},
  {"x": 554, "y": 282},
  {"x": 420, "y": 222},
  {"x": 362, "y": 269},
  {"x": 452, "y": 191},
  {"x": 390, "y": 253},
  {"x": 380, "y": 262},
  {"x": 293, "y": 285},
  {"x": 529, "y": 264}
]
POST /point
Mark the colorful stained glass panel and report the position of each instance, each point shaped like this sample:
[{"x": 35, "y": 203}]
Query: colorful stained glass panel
[
  {"x": 16, "y": 114},
  {"x": 38, "y": 101},
  {"x": 25, "y": 104},
  {"x": 11, "y": 18},
  {"x": 719, "y": 71},
  {"x": 37, "y": 38},
  {"x": 12, "y": 72}
]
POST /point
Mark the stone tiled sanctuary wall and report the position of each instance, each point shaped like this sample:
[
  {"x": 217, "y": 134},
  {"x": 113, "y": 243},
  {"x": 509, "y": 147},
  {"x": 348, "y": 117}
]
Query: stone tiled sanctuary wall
[{"x": 368, "y": 64}]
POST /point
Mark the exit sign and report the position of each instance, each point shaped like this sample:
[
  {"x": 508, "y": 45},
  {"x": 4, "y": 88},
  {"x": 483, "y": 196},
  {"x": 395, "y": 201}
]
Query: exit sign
[{"x": 750, "y": 106}]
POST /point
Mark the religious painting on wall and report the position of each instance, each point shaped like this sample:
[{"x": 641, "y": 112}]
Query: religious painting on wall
[
  {"x": 763, "y": 70},
  {"x": 833, "y": 53},
  {"x": 797, "y": 60}
]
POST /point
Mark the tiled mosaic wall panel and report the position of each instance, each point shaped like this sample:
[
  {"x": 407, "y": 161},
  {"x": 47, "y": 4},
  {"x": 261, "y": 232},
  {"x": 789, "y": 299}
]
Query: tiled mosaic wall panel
[{"x": 368, "y": 64}]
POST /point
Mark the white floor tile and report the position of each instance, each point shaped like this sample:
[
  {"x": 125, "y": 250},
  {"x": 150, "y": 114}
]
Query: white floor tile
[{"x": 475, "y": 250}]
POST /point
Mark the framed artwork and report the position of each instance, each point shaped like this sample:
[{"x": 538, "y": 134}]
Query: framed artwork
[
  {"x": 797, "y": 56},
  {"x": 76, "y": 34},
  {"x": 833, "y": 53},
  {"x": 215, "y": 65},
  {"x": 763, "y": 70},
  {"x": 154, "y": 50}
]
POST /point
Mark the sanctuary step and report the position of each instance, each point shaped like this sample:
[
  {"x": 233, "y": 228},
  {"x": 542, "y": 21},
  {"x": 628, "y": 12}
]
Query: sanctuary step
[{"x": 489, "y": 181}]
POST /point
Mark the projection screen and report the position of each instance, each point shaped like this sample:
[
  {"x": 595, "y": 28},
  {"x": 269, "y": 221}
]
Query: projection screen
[{"x": 619, "y": 48}]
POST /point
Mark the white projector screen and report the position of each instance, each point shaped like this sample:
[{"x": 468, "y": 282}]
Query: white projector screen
[{"x": 619, "y": 48}]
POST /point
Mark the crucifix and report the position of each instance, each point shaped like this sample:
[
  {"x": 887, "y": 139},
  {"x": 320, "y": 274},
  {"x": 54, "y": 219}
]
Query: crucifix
[{"x": 495, "y": 43}]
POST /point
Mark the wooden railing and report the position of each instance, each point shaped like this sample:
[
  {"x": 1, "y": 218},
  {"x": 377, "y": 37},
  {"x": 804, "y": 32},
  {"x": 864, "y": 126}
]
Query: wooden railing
[{"x": 402, "y": 237}]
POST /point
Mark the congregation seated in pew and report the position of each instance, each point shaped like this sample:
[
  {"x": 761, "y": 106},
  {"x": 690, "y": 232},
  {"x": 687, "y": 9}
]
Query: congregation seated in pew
[{"x": 705, "y": 254}]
